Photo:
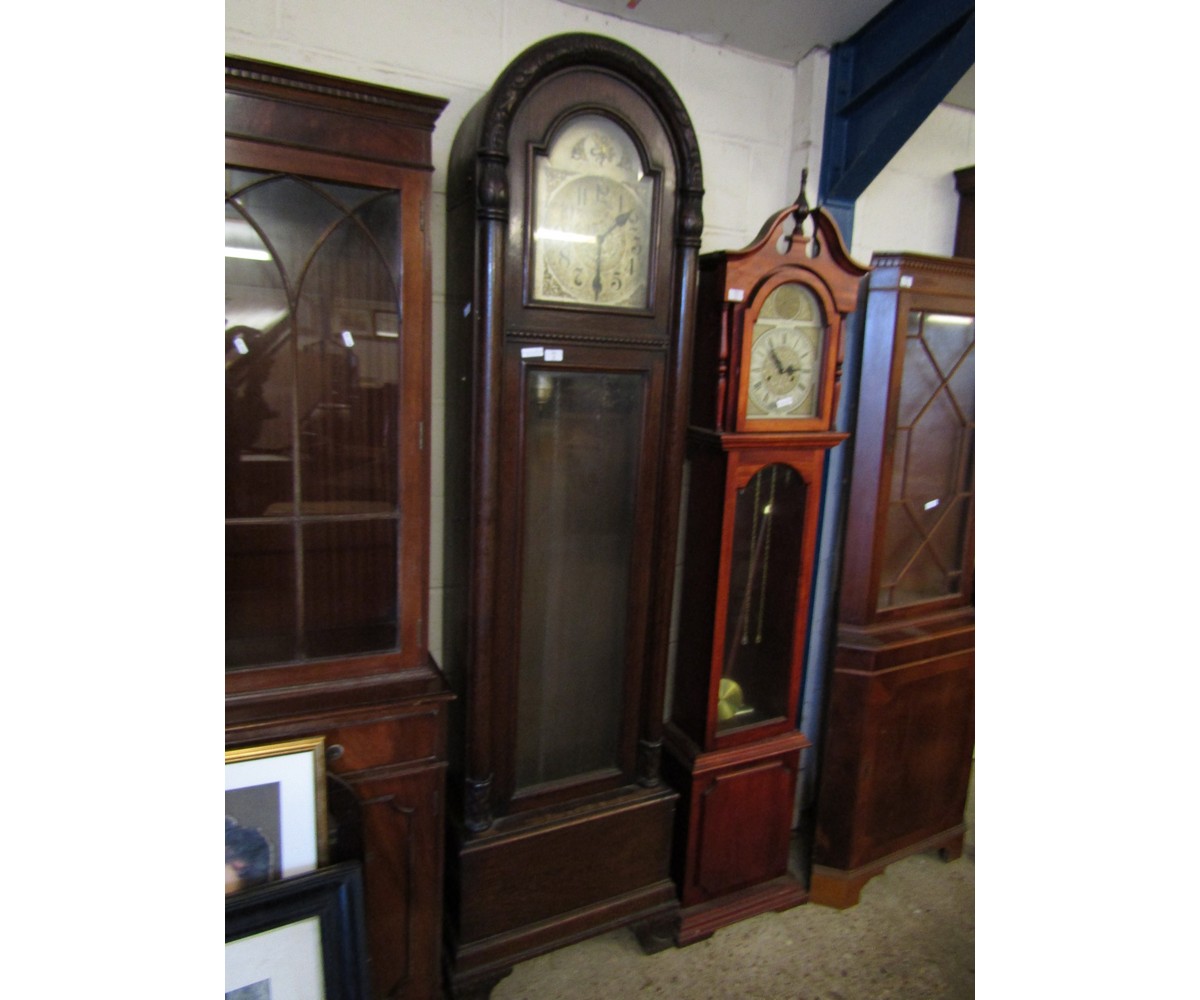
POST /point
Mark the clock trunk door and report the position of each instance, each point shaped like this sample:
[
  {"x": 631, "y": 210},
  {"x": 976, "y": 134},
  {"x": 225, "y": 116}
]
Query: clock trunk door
[
  {"x": 575, "y": 529},
  {"x": 762, "y": 615}
]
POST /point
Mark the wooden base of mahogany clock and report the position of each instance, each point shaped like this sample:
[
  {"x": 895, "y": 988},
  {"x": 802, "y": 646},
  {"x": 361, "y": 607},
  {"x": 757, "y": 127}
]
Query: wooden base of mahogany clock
[
  {"x": 520, "y": 889},
  {"x": 696, "y": 923},
  {"x": 733, "y": 831}
]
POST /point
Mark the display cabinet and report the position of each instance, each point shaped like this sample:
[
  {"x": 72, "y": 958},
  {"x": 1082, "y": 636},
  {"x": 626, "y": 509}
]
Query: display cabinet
[
  {"x": 327, "y": 329},
  {"x": 573, "y": 228},
  {"x": 899, "y": 730},
  {"x": 764, "y": 391}
]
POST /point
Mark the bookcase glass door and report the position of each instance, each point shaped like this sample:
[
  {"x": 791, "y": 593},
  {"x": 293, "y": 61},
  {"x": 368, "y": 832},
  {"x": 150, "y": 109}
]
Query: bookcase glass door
[
  {"x": 932, "y": 485},
  {"x": 312, "y": 374}
]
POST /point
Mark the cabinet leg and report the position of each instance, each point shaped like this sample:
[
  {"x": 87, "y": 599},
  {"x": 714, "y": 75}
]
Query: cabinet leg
[
  {"x": 952, "y": 850},
  {"x": 656, "y": 934},
  {"x": 837, "y": 889}
]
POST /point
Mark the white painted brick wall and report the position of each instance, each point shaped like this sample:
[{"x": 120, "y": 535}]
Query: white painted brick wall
[
  {"x": 758, "y": 123},
  {"x": 913, "y": 204}
]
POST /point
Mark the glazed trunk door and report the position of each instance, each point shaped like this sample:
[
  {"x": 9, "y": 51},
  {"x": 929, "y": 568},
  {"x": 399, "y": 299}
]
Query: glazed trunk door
[
  {"x": 762, "y": 615},
  {"x": 577, "y": 528}
]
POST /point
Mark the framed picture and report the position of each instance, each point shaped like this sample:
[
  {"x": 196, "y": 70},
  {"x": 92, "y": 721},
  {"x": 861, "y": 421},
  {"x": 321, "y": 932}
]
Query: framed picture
[
  {"x": 275, "y": 818},
  {"x": 300, "y": 938}
]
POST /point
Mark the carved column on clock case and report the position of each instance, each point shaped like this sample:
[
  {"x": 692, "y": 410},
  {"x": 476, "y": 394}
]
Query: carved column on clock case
[{"x": 573, "y": 222}]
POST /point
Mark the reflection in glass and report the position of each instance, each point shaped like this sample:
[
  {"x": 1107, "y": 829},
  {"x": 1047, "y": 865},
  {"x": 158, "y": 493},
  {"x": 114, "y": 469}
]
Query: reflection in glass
[
  {"x": 312, "y": 364},
  {"x": 760, "y": 623},
  {"x": 933, "y": 474},
  {"x": 582, "y": 449}
]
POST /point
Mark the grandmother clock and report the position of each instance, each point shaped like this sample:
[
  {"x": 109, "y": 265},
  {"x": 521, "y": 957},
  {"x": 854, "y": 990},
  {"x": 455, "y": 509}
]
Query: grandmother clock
[
  {"x": 573, "y": 227},
  {"x": 764, "y": 393},
  {"x": 900, "y": 726}
]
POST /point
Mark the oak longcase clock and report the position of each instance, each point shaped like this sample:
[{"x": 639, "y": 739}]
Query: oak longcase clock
[
  {"x": 573, "y": 228},
  {"x": 765, "y": 378}
]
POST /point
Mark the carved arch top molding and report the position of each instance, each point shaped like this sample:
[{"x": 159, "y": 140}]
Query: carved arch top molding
[{"x": 581, "y": 50}]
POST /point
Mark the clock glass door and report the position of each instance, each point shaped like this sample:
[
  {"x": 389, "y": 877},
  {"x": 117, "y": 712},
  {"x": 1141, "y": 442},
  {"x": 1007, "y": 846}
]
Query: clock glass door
[
  {"x": 760, "y": 623},
  {"x": 925, "y": 552},
  {"x": 582, "y": 456}
]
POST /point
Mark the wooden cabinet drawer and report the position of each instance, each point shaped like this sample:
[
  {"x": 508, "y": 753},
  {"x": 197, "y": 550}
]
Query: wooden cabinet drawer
[{"x": 399, "y": 738}]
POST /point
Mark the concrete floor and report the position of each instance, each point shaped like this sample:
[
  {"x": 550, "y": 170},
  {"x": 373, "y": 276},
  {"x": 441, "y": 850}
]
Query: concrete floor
[{"x": 911, "y": 937}]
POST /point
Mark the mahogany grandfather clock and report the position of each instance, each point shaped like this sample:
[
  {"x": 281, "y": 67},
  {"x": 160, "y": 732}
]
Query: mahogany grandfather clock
[
  {"x": 764, "y": 393},
  {"x": 900, "y": 720},
  {"x": 573, "y": 231}
]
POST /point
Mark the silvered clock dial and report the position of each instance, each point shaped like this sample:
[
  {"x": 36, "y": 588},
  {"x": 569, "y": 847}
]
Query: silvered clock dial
[
  {"x": 591, "y": 219},
  {"x": 785, "y": 355}
]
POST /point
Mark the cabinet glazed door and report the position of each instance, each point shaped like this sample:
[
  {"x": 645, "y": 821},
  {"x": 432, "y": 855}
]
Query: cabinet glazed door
[
  {"x": 929, "y": 508},
  {"x": 314, "y": 433}
]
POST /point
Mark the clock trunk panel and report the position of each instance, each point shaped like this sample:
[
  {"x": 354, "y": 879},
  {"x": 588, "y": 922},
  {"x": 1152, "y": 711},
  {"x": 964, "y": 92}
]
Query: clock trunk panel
[
  {"x": 573, "y": 227},
  {"x": 735, "y": 853}
]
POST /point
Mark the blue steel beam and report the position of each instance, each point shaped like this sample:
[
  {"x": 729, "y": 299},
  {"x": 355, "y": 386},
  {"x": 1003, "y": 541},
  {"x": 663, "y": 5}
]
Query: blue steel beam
[{"x": 884, "y": 81}]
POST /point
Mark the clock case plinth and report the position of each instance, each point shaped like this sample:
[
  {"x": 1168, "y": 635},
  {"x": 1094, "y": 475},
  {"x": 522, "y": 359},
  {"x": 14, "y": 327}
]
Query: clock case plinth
[{"x": 737, "y": 779}]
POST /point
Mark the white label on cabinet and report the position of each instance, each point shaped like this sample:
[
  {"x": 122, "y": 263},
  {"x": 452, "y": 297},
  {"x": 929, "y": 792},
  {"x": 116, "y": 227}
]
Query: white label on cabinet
[
  {"x": 932, "y": 504},
  {"x": 737, "y": 295},
  {"x": 531, "y": 352},
  {"x": 906, "y": 281},
  {"x": 554, "y": 354}
]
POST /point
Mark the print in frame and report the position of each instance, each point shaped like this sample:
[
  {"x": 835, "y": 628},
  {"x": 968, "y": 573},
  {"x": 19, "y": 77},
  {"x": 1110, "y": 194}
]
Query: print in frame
[{"x": 275, "y": 816}]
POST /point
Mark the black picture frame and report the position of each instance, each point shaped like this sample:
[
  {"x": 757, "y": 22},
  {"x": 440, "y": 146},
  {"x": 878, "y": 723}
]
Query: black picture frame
[{"x": 334, "y": 897}]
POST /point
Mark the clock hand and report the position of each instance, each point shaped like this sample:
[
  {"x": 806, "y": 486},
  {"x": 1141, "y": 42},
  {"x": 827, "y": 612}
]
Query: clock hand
[
  {"x": 775, "y": 358},
  {"x": 620, "y": 220}
]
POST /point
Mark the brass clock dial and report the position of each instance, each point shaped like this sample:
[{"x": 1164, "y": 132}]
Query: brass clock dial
[
  {"x": 783, "y": 375},
  {"x": 591, "y": 227}
]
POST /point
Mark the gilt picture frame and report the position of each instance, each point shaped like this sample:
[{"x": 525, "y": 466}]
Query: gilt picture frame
[{"x": 275, "y": 813}]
